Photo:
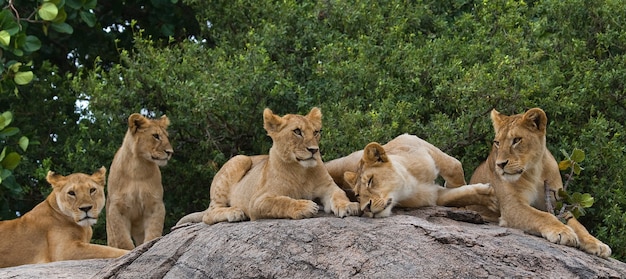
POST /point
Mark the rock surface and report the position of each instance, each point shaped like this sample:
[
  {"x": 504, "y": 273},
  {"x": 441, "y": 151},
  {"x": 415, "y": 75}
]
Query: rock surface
[{"x": 424, "y": 243}]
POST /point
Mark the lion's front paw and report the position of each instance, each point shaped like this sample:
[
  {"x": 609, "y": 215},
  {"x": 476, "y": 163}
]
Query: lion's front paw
[
  {"x": 347, "y": 209},
  {"x": 561, "y": 235},
  {"x": 304, "y": 209},
  {"x": 596, "y": 247}
]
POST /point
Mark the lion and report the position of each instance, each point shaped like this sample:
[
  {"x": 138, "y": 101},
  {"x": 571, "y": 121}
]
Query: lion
[
  {"x": 281, "y": 185},
  {"x": 135, "y": 209},
  {"x": 517, "y": 168},
  {"x": 402, "y": 173},
  {"x": 59, "y": 228}
]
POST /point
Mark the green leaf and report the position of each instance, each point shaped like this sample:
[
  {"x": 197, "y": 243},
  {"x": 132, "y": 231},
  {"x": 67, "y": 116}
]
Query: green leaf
[
  {"x": 5, "y": 119},
  {"x": 9, "y": 132},
  {"x": 577, "y": 169},
  {"x": 61, "y": 17},
  {"x": 23, "y": 78},
  {"x": 3, "y": 153},
  {"x": 88, "y": 18},
  {"x": 586, "y": 200},
  {"x": 62, "y": 28},
  {"x": 5, "y": 37},
  {"x": 48, "y": 11},
  {"x": 578, "y": 155},
  {"x": 90, "y": 4},
  {"x": 74, "y": 4},
  {"x": 23, "y": 143},
  {"x": 11, "y": 161},
  {"x": 31, "y": 44}
]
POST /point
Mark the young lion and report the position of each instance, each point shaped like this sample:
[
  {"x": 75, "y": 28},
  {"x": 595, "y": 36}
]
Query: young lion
[
  {"x": 517, "y": 167},
  {"x": 135, "y": 209},
  {"x": 281, "y": 184},
  {"x": 403, "y": 173},
  {"x": 58, "y": 228}
]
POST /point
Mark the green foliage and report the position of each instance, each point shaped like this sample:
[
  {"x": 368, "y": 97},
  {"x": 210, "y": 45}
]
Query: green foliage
[
  {"x": 9, "y": 160},
  {"x": 576, "y": 202}
]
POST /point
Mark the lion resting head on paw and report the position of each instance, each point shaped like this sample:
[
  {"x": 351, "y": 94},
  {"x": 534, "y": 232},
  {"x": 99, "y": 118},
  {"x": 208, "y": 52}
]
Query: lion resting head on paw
[
  {"x": 58, "y": 228},
  {"x": 402, "y": 173},
  {"x": 518, "y": 167}
]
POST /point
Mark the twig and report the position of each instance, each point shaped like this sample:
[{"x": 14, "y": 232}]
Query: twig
[{"x": 548, "y": 191}]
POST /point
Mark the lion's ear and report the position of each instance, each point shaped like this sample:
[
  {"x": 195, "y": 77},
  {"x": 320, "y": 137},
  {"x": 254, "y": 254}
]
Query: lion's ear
[
  {"x": 55, "y": 179},
  {"x": 99, "y": 175},
  {"x": 350, "y": 178},
  {"x": 536, "y": 118},
  {"x": 272, "y": 122},
  {"x": 497, "y": 119},
  {"x": 136, "y": 121},
  {"x": 374, "y": 153},
  {"x": 315, "y": 116},
  {"x": 164, "y": 121}
]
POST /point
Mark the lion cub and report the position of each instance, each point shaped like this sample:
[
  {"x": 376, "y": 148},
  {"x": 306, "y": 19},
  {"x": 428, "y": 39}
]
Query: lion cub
[
  {"x": 402, "y": 173},
  {"x": 135, "y": 209},
  {"x": 517, "y": 167},
  {"x": 281, "y": 184},
  {"x": 58, "y": 228}
]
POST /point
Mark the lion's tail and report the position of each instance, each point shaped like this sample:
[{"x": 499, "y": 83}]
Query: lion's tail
[{"x": 195, "y": 217}]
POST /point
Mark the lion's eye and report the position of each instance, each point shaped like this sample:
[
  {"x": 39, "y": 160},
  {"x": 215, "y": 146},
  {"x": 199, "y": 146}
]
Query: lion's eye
[
  {"x": 92, "y": 190},
  {"x": 317, "y": 133},
  {"x": 496, "y": 143},
  {"x": 298, "y": 132},
  {"x": 516, "y": 140},
  {"x": 71, "y": 193},
  {"x": 156, "y": 136},
  {"x": 369, "y": 182}
]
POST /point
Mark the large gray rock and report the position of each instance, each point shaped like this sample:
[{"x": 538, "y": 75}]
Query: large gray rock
[{"x": 424, "y": 243}]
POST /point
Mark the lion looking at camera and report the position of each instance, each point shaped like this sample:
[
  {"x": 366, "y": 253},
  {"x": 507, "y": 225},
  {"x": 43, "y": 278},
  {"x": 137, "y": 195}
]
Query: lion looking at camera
[
  {"x": 282, "y": 184},
  {"x": 59, "y": 228}
]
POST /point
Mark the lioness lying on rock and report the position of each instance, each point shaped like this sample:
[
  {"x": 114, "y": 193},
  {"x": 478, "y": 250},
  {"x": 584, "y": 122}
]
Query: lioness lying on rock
[
  {"x": 402, "y": 173},
  {"x": 518, "y": 167},
  {"x": 58, "y": 228},
  {"x": 282, "y": 184}
]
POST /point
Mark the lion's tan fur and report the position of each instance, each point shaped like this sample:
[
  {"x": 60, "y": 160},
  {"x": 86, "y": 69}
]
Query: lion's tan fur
[
  {"x": 135, "y": 209},
  {"x": 517, "y": 168},
  {"x": 59, "y": 228},
  {"x": 402, "y": 173},
  {"x": 282, "y": 184}
]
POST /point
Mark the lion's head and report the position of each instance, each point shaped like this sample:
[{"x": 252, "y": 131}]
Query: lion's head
[
  {"x": 375, "y": 182},
  {"x": 150, "y": 138},
  {"x": 519, "y": 142},
  {"x": 79, "y": 196},
  {"x": 296, "y": 137}
]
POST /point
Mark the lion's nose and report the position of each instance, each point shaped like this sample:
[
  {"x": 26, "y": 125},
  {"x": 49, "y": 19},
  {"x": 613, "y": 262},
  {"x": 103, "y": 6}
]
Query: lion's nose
[
  {"x": 502, "y": 164},
  {"x": 313, "y": 150},
  {"x": 169, "y": 152},
  {"x": 368, "y": 207},
  {"x": 85, "y": 208}
]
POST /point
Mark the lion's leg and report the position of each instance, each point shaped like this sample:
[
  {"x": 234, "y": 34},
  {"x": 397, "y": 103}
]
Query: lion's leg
[
  {"x": 517, "y": 214},
  {"x": 227, "y": 177},
  {"x": 473, "y": 194},
  {"x": 588, "y": 242},
  {"x": 335, "y": 200},
  {"x": 77, "y": 250},
  {"x": 153, "y": 223},
  {"x": 118, "y": 229},
  {"x": 449, "y": 167},
  {"x": 275, "y": 207}
]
